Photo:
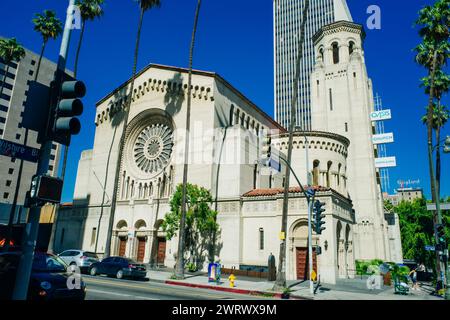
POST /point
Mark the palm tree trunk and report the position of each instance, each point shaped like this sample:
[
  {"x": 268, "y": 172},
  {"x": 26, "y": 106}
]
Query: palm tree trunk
[
  {"x": 75, "y": 69},
  {"x": 281, "y": 274},
  {"x": 122, "y": 141},
  {"x": 40, "y": 60},
  {"x": 179, "y": 272},
  {"x": 434, "y": 195}
]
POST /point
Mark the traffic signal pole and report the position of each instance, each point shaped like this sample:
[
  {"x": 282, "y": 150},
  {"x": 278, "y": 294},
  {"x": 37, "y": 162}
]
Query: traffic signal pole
[{"x": 32, "y": 227}]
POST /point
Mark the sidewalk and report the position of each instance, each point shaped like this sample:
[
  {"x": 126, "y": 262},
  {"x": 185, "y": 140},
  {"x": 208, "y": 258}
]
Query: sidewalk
[{"x": 352, "y": 289}]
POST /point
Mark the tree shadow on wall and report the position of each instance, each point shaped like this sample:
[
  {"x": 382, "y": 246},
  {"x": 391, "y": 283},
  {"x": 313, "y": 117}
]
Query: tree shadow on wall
[
  {"x": 202, "y": 247},
  {"x": 174, "y": 96}
]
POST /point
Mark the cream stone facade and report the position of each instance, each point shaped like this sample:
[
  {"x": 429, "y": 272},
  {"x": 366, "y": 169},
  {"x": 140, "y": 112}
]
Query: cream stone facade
[
  {"x": 225, "y": 148},
  {"x": 342, "y": 100}
]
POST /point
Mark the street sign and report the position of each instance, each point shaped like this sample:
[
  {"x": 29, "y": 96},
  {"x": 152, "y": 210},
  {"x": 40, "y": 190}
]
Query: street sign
[
  {"x": 388, "y": 162},
  {"x": 381, "y": 115},
  {"x": 430, "y": 248},
  {"x": 443, "y": 206},
  {"x": 383, "y": 138},
  {"x": 15, "y": 150}
]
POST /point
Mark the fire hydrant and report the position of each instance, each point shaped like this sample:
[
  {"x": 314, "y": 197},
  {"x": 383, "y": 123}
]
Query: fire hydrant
[{"x": 232, "y": 278}]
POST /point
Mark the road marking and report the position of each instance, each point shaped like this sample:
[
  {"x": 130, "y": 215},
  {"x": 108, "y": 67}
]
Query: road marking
[
  {"x": 120, "y": 294},
  {"x": 124, "y": 284}
]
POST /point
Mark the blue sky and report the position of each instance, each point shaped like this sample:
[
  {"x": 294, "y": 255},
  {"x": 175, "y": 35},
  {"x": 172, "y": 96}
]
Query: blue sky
[{"x": 235, "y": 40}]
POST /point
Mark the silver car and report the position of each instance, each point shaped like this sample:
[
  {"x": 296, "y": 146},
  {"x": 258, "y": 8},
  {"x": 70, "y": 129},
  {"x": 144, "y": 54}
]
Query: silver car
[{"x": 79, "y": 258}]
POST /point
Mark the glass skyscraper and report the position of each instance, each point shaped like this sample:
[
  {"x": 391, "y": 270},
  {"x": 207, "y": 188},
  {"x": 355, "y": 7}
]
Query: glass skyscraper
[{"x": 287, "y": 22}]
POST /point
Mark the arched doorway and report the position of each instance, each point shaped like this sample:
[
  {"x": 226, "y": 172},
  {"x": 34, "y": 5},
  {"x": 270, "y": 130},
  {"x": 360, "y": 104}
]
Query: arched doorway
[
  {"x": 341, "y": 254},
  {"x": 159, "y": 245},
  {"x": 299, "y": 247},
  {"x": 122, "y": 237},
  {"x": 350, "y": 260},
  {"x": 141, "y": 239}
]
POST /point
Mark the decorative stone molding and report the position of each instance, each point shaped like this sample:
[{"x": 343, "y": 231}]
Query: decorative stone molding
[{"x": 173, "y": 88}]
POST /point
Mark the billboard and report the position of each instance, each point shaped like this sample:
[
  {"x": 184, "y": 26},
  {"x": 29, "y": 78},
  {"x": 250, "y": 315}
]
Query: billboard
[
  {"x": 381, "y": 115},
  {"x": 383, "y": 138},
  {"x": 388, "y": 162}
]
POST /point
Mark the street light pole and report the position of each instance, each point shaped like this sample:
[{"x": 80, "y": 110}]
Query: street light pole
[{"x": 32, "y": 227}]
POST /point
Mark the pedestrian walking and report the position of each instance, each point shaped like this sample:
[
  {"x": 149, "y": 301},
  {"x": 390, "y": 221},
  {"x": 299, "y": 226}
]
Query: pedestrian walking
[{"x": 413, "y": 276}]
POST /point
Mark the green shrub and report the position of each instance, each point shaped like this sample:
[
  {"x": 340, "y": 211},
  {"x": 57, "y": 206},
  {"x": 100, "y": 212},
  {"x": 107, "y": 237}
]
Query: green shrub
[{"x": 192, "y": 267}]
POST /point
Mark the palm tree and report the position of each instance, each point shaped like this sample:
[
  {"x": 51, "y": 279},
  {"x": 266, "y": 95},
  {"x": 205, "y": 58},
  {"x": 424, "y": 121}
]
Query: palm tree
[
  {"x": 179, "y": 272},
  {"x": 89, "y": 10},
  {"x": 144, "y": 6},
  {"x": 280, "y": 283},
  {"x": 433, "y": 54},
  {"x": 50, "y": 27},
  {"x": 10, "y": 50},
  {"x": 440, "y": 117}
]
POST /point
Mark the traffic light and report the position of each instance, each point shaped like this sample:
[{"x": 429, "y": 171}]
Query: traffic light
[
  {"x": 45, "y": 189},
  {"x": 447, "y": 145},
  {"x": 440, "y": 233},
  {"x": 69, "y": 106},
  {"x": 318, "y": 216},
  {"x": 266, "y": 151}
]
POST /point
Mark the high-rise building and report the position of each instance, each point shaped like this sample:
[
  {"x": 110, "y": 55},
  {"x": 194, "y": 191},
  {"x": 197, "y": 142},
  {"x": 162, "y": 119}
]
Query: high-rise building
[
  {"x": 12, "y": 107},
  {"x": 287, "y": 22}
]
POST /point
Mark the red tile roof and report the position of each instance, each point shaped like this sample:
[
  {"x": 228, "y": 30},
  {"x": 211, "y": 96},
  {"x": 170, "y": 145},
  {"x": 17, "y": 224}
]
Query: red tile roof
[{"x": 276, "y": 191}]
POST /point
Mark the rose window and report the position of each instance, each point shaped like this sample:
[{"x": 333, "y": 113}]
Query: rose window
[{"x": 153, "y": 148}]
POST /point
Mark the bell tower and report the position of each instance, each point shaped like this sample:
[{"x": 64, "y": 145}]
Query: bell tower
[{"x": 341, "y": 102}]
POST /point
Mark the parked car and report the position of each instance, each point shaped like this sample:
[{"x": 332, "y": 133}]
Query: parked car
[
  {"x": 81, "y": 259},
  {"x": 119, "y": 267},
  {"x": 50, "y": 279}
]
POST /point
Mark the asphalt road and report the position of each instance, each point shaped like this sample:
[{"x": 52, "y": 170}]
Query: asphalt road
[{"x": 104, "y": 288}]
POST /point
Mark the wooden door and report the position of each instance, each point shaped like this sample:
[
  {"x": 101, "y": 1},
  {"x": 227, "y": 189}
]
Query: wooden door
[
  {"x": 303, "y": 263},
  {"x": 122, "y": 246},
  {"x": 141, "y": 249},
  {"x": 161, "y": 251}
]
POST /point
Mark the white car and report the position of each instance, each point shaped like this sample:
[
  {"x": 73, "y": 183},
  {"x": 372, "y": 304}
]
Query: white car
[{"x": 79, "y": 258}]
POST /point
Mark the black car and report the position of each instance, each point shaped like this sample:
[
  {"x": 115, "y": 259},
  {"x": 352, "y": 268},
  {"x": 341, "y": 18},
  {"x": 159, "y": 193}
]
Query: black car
[
  {"x": 49, "y": 279},
  {"x": 119, "y": 267}
]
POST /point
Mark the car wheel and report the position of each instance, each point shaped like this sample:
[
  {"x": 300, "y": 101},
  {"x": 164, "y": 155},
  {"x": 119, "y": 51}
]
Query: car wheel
[
  {"x": 119, "y": 274},
  {"x": 93, "y": 271}
]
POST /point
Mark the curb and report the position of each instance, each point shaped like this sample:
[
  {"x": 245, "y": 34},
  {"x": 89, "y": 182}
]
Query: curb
[{"x": 232, "y": 290}]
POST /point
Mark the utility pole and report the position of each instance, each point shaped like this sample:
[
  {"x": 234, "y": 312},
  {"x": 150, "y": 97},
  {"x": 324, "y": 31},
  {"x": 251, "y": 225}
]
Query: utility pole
[
  {"x": 32, "y": 227},
  {"x": 310, "y": 203}
]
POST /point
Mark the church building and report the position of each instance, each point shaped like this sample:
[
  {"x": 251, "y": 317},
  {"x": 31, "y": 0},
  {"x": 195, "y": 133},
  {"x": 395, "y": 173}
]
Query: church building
[{"x": 227, "y": 130}]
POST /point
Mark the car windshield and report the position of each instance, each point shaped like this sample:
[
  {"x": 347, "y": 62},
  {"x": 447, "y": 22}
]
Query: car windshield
[{"x": 48, "y": 263}]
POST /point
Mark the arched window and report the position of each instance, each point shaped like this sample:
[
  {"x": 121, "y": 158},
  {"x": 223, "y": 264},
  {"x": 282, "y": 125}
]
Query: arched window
[
  {"x": 328, "y": 174},
  {"x": 316, "y": 172},
  {"x": 335, "y": 47},
  {"x": 232, "y": 114},
  {"x": 261, "y": 239},
  {"x": 321, "y": 53},
  {"x": 351, "y": 47},
  {"x": 339, "y": 175}
]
